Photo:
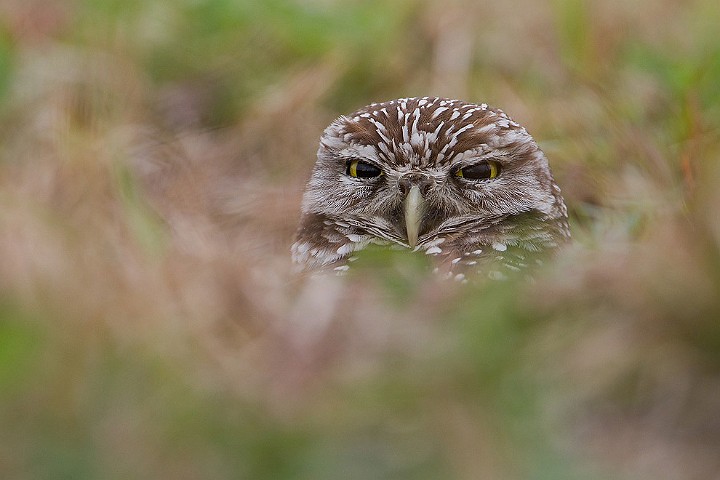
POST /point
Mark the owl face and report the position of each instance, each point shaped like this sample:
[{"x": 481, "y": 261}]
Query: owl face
[{"x": 444, "y": 176}]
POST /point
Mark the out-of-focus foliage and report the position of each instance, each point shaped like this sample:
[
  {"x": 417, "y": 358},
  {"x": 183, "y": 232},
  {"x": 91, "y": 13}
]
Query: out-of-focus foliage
[{"x": 152, "y": 158}]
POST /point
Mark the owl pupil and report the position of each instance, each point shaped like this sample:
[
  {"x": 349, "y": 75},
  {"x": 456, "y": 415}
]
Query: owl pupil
[{"x": 359, "y": 169}]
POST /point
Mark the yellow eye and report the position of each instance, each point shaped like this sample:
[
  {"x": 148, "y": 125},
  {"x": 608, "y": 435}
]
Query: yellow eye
[
  {"x": 487, "y": 169},
  {"x": 360, "y": 169}
]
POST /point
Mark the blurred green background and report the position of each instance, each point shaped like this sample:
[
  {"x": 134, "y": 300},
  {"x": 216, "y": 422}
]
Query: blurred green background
[{"x": 152, "y": 158}]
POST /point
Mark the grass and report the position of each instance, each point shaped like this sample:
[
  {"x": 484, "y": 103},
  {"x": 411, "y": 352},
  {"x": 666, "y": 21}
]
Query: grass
[{"x": 152, "y": 159}]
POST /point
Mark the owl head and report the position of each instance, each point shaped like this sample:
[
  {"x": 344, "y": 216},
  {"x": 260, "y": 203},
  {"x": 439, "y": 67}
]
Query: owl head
[{"x": 451, "y": 178}]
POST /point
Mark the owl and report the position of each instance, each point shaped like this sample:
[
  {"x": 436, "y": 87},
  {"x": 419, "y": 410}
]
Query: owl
[{"x": 458, "y": 181}]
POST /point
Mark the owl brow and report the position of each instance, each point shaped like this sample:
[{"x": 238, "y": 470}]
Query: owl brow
[
  {"x": 359, "y": 152},
  {"x": 475, "y": 155}
]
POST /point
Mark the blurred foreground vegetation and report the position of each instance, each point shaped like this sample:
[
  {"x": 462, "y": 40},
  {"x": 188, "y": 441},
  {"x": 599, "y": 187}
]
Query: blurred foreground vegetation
[{"x": 152, "y": 158}]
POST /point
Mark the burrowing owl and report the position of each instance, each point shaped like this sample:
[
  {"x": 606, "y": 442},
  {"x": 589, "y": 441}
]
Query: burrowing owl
[{"x": 459, "y": 181}]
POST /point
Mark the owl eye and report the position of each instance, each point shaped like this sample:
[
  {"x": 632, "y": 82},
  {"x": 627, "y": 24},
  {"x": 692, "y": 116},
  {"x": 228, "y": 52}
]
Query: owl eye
[
  {"x": 360, "y": 169},
  {"x": 484, "y": 170}
]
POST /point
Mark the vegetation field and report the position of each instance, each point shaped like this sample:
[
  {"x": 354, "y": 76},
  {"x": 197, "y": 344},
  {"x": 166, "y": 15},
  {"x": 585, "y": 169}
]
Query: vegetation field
[{"x": 152, "y": 158}]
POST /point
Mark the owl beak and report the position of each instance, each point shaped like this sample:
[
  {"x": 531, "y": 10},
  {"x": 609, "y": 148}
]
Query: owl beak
[{"x": 413, "y": 204}]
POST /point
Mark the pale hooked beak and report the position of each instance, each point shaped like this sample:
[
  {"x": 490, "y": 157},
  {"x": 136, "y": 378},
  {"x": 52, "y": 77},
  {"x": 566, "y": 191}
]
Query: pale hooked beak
[{"x": 413, "y": 204}]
